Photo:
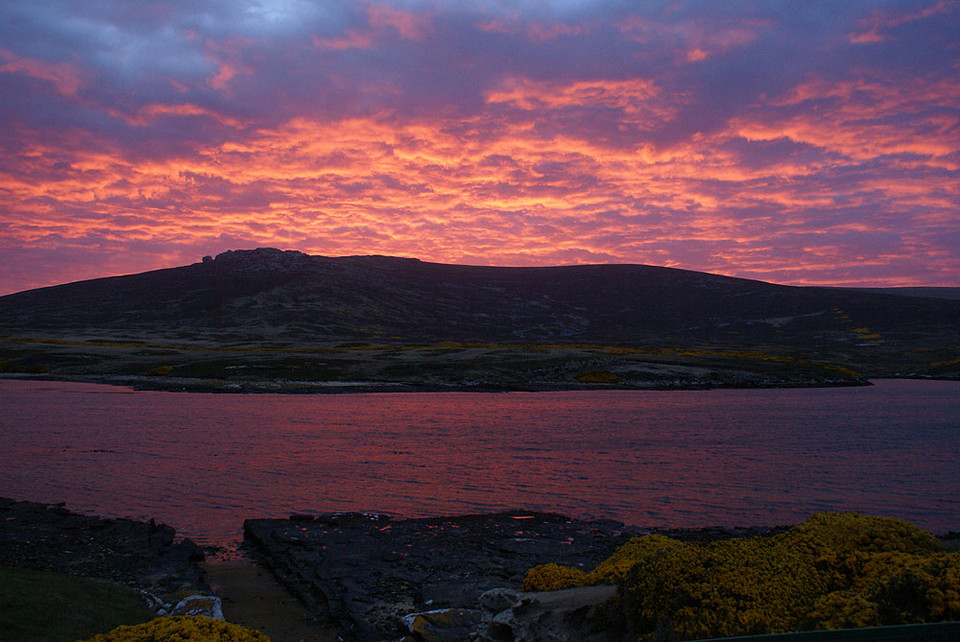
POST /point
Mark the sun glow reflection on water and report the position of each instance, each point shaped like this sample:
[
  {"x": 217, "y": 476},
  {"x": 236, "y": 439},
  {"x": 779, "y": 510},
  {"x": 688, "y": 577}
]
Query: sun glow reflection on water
[{"x": 204, "y": 462}]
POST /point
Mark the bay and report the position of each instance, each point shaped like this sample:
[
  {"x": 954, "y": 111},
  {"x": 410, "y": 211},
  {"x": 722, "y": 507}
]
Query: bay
[{"x": 205, "y": 462}]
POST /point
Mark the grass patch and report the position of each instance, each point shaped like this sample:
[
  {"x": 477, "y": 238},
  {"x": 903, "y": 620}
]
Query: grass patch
[
  {"x": 39, "y": 605},
  {"x": 21, "y": 368},
  {"x": 597, "y": 376}
]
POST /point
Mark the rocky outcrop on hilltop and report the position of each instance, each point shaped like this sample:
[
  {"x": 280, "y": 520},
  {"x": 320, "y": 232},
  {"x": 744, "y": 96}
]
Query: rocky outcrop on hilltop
[
  {"x": 294, "y": 315},
  {"x": 265, "y": 259},
  {"x": 242, "y": 294}
]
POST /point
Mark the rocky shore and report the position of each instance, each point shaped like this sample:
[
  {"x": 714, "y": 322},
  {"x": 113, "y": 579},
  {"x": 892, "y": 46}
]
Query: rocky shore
[
  {"x": 143, "y": 555},
  {"x": 365, "y": 576},
  {"x": 684, "y": 381},
  {"x": 361, "y": 577},
  {"x": 449, "y": 578}
]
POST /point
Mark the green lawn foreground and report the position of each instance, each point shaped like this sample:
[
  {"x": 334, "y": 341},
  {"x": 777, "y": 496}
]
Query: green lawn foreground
[{"x": 40, "y": 605}]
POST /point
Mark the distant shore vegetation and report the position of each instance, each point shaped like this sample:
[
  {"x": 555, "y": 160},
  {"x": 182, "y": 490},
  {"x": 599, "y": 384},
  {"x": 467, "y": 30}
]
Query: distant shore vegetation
[{"x": 443, "y": 365}]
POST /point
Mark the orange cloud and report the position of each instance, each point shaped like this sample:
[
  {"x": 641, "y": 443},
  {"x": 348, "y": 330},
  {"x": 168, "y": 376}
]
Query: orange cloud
[
  {"x": 865, "y": 118},
  {"x": 371, "y": 185},
  {"x": 529, "y": 94},
  {"x": 149, "y": 114},
  {"x": 662, "y": 148}
]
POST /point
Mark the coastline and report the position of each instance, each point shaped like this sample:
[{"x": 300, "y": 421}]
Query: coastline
[
  {"x": 377, "y": 570},
  {"x": 294, "y": 387},
  {"x": 305, "y": 369},
  {"x": 376, "y": 575},
  {"x": 348, "y": 575}
]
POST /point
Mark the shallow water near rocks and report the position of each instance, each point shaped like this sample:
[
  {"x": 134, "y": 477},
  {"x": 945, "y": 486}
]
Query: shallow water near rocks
[{"x": 204, "y": 462}]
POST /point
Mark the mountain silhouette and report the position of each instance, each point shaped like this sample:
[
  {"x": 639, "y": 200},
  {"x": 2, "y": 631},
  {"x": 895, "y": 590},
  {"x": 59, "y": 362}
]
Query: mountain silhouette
[{"x": 269, "y": 297}]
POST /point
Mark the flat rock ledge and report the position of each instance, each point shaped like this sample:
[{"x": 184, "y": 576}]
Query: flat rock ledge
[
  {"x": 383, "y": 579},
  {"x": 367, "y": 572},
  {"x": 507, "y": 615},
  {"x": 143, "y": 555}
]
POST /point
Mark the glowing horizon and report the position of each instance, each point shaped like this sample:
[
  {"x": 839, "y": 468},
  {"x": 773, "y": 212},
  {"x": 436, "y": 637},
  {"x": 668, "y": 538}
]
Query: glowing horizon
[{"x": 806, "y": 144}]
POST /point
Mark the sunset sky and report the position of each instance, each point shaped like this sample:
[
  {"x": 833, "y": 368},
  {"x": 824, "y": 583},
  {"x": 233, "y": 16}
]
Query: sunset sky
[{"x": 799, "y": 142}]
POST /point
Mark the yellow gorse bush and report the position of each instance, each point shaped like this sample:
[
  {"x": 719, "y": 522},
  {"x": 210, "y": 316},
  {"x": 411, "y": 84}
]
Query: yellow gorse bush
[
  {"x": 553, "y": 577},
  {"x": 836, "y": 570},
  {"x": 179, "y": 628}
]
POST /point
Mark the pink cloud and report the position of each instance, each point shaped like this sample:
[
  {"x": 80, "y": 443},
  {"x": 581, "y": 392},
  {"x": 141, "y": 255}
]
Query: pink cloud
[
  {"x": 351, "y": 40},
  {"x": 382, "y": 20},
  {"x": 752, "y": 140},
  {"x": 878, "y": 25},
  {"x": 408, "y": 24},
  {"x": 65, "y": 77}
]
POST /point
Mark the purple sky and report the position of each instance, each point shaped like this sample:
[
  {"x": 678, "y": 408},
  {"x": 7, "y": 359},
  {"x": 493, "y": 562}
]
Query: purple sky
[{"x": 798, "y": 142}]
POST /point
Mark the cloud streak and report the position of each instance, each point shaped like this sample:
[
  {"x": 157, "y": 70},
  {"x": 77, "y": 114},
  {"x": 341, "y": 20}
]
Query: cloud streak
[{"x": 795, "y": 142}]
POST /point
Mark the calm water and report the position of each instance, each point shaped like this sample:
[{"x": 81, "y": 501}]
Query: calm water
[{"x": 203, "y": 462}]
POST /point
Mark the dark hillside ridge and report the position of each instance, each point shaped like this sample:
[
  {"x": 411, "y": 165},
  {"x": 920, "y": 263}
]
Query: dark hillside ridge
[
  {"x": 929, "y": 292},
  {"x": 272, "y": 297}
]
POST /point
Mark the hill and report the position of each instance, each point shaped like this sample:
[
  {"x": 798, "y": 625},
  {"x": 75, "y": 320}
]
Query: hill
[{"x": 453, "y": 320}]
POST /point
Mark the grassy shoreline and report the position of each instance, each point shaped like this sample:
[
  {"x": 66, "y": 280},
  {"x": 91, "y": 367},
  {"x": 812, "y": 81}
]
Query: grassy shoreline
[
  {"x": 43, "y": 605},
  {"x": 439, "y": 367}
]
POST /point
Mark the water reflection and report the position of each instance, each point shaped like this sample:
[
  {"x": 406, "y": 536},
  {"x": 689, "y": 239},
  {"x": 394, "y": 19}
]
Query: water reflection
[{"x": 203, "y": 463}]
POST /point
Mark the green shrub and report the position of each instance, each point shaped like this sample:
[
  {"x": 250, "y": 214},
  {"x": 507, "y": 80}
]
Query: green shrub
[
  {"x": 836, "y": 570},
  {"x": 614, "y": 568},
  {"x": 553, "y": 577},
  {"x": 160, "y": 371},
  {"x": 832, "y": 571}
]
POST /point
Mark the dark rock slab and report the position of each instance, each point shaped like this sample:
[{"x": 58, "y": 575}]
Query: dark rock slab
[
  {"x": 443, "y": 625},
  {"x": 145, "y": 555},
  {"x": 556, "y": 616},
  {"x": 369, "y": 571}
]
